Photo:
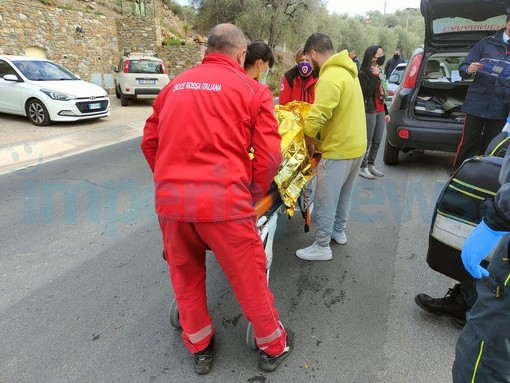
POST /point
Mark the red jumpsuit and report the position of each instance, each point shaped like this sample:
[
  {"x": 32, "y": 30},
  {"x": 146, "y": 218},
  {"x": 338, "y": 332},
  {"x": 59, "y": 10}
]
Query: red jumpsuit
[{"x": 197, "y": 143}]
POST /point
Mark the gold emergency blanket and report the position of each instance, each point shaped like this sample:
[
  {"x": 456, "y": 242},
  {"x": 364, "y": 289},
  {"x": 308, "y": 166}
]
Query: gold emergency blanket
[{"x": 295, "y": 169}]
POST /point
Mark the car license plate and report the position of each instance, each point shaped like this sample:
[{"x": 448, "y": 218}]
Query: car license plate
[
  {"x": 94, "y": 106},
  {"x": 150, "y": 82}
]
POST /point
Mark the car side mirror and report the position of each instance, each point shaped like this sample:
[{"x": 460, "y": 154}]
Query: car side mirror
[
  {"x": 12, "y": 77},
  {"x": 394, "y": 79},
  {"x": 115, "y": 68}
]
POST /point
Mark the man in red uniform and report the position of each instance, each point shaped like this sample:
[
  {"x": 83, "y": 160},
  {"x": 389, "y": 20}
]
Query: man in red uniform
[{"x": 197, "y": 143}]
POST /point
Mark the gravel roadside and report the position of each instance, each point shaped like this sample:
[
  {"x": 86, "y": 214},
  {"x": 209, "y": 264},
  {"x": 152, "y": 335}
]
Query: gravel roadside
[{"x": 15, "y": 130}]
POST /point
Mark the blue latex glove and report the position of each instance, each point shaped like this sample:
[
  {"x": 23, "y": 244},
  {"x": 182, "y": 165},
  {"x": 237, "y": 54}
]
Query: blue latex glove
[{"x": 477, "y": 246}]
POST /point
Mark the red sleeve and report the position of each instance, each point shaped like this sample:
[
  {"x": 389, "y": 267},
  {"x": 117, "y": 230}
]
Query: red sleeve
[
  {"x": 285, "y": 92},
  {"x": 150, "y": 139},
  {"x": 266, "y": 144}
]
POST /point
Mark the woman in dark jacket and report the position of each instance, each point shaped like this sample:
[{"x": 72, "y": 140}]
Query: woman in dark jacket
[{"x": 374, "y": 87}]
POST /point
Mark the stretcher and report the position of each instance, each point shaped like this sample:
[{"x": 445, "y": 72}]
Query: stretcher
[{"x": 268, "y": 209}]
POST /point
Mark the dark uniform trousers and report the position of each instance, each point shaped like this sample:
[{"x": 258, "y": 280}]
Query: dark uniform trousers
[
  {"x": 476, "y": 135},
  {"x": 482, "y": 354}
]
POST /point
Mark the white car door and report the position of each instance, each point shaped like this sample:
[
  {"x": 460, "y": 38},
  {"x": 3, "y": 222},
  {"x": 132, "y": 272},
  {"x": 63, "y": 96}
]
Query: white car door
[{"x": 10, "y": 91}]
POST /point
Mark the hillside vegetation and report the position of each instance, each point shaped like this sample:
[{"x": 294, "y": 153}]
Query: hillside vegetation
[{"x": 284, "y": 24}]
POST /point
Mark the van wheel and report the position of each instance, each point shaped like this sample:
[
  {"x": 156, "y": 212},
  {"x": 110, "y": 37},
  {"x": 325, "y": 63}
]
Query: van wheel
[
  {"x": 390, "y": 154},
  {"x": 37, "y": 113},
  {"x": 117, "y": 92},
  {"x": 123, "y": 100}
]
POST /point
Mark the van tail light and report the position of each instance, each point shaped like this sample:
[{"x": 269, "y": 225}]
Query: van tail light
[
  {"x": 390, "y": 92},
  {"x": 412, "y": 71},
  {"x": 403, "y": 133},
  {"x": 126, "y": 66}
]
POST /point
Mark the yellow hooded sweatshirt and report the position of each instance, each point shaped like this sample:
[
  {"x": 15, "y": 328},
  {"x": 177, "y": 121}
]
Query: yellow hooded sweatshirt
[{"x": 337, "y": 117}]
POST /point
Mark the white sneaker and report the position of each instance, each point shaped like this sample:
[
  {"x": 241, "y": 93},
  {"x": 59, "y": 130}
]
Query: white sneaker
[
  {"x": 366, "y": 174},
  {"x": 341, "y": 238},
  {"x": 374, "y": 171},
  {"x": 314, "y": 253}
]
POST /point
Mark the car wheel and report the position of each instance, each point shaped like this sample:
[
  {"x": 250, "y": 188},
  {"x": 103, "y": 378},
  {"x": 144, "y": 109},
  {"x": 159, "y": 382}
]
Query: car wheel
[
  {"x": 123, "y": 100},
  {"x": 37, "y": 113},
  {"x": 117, "y": 92},
  {"x": 390, "y": 154}
]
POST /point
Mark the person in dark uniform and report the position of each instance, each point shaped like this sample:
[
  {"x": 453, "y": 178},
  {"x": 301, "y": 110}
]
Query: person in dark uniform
[
  {"x": 487, "y": 99},
  {"x": 482, "y": 353},
  {"x": 486, "y": 108}
]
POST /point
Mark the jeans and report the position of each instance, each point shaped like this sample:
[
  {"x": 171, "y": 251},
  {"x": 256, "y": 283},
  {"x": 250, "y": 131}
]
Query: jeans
[
  {"x": 376, "y": 122},
  {"x": 335, "y": 181}
]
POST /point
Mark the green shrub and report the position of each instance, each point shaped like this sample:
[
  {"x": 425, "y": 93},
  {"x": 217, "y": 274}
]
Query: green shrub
[{"x": 172, "y": 41}]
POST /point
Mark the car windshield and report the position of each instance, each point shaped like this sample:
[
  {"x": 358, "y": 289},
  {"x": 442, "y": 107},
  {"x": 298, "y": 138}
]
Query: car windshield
[
  {"x": 145, "y": 66},
  {"x": 37, "y": 70}
]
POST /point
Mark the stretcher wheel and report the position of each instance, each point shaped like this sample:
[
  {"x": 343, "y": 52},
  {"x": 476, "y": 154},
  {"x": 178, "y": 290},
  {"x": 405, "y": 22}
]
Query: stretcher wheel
[
  {"x": 174, "y": 315},
  {"x": 250, "y": 337}
]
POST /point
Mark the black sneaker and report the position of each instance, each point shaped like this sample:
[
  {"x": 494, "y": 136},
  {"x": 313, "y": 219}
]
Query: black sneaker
[
  {"x": 204, "y": 359},
  {"x": 452, "y": 305},
  {"x": 270, "y": 363}
]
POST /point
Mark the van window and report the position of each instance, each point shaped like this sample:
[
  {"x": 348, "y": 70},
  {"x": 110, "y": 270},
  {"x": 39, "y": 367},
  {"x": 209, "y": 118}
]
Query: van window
[{"x": 459, "y": 24}]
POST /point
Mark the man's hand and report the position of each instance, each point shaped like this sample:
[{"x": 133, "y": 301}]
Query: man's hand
[
  {"x": 477, "y": 246},
  {"x": 473, "y": 67},
  {"x": 310, "y": 146}
]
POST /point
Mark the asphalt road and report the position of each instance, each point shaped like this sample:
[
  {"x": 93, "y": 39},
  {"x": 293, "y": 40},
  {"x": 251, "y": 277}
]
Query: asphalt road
[{"x": 84, "y": 291}]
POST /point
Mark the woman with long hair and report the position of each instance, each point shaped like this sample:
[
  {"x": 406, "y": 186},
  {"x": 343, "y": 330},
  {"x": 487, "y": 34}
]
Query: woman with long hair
[{"x": 374, "y": 87}]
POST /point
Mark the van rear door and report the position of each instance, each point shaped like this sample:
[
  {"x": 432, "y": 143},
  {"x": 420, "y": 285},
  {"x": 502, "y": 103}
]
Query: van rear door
[{"x": 461, "y": 23}]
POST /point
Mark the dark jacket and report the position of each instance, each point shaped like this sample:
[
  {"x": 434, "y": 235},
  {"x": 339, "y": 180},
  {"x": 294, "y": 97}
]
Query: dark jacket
[
  {"x": 369, "y": 83},
  {"x": 392, "y": 64},
  {"x": 488, "y": 96}
]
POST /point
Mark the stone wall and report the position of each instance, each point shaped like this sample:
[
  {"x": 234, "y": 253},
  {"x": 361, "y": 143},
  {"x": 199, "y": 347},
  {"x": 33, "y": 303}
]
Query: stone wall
[
  {"x": 137, "y": 34},
  {"x": 25, "y": 24},
  {"x": 141, "y": 35},
  {"x": 91, "y": 51}
]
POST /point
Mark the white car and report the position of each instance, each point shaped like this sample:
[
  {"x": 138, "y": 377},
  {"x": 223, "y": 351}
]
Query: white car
[
  {"x": 46, "y": 92},
  {"x": 139, "y": 75},
  {"x": 394, "y": 81}
]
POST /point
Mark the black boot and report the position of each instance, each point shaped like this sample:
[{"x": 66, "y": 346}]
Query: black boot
[
  {"x": 452, "y": 305},
  {"x": 203, "y": 360}
]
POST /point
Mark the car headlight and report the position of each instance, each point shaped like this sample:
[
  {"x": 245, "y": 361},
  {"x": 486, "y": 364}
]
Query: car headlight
[{"x": 57, "y": 95}]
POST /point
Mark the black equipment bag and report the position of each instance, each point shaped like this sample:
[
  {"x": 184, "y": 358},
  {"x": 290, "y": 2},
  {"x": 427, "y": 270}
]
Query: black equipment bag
[{"x": 458, "y": 211}]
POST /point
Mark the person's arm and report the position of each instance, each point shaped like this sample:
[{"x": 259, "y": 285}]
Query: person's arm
[
  {"x": 327, "y": 96},
  {"x": 285, "y": 92},
  {"x": 150, "y": 139},
  {"x": 495, "y": 224},
  {"x": 267, "y": 155},
  {"x": 471, "y": 64}
]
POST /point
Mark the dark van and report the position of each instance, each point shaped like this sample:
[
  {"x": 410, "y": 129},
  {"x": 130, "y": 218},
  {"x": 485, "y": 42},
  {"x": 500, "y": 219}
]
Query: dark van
[{"x": 425, "y": 112}]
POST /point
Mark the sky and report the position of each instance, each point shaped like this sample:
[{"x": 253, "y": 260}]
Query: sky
[{"x": 360, "y": 7}]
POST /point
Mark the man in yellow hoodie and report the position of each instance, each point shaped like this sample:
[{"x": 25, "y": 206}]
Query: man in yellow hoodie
[{"x": 336, "y": 126}]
